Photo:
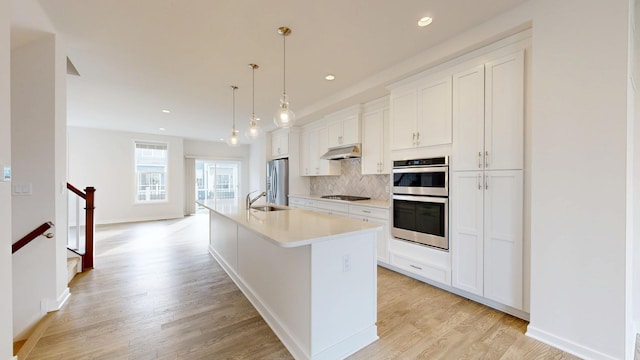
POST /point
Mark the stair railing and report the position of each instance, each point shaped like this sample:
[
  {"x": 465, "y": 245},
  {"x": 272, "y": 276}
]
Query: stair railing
[
  {"x": 40, "y": 230},
  {"x": 81, "y": 224}
]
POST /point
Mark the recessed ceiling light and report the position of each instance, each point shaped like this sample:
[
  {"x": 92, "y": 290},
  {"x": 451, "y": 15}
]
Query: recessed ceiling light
[
  {"x": 162, "y": 129},
  {"x": 330, "y": 77},
  {"x": 221, "y": 139},
  {"x": 166, "y": 111},
  {"x": 424, "y": 21}
]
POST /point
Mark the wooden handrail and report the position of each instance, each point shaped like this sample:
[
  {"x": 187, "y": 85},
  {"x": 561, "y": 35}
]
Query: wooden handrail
[
  {"x": 32, "y": 235},
  {"x": 89, "y": 197},
  {"x": 76, "y": 191}
]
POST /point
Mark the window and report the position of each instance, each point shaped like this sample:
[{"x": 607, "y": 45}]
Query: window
[{"x": 151, "y": 172}]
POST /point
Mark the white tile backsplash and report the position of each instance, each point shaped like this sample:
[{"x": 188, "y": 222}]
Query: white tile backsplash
[{"x": 352, "y": 182}]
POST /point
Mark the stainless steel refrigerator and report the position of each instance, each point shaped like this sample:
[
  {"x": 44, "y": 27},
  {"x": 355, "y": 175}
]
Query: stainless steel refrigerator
[{"x": 278, "y": 181}]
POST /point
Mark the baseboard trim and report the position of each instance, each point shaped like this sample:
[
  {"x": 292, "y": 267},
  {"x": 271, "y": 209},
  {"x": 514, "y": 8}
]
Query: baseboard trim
[
  {"x": 566, "y": 345},
  {"x": 62, "y": 299},
  {"x": 349, "y": 346}
]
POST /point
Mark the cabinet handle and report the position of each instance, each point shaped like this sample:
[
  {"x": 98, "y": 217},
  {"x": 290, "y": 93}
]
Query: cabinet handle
[
  {"x": 486, "y": 159},
  {"x": 415, "y": 267},
  {"x": 479, "y": 182},
  {"x": 479, "y": 159},
  {"x": 366, "y": 211},
  {"x": 486, "y": 182},
  {"x": 414, "y": 139},
  {"x": 418, "y": 138}
]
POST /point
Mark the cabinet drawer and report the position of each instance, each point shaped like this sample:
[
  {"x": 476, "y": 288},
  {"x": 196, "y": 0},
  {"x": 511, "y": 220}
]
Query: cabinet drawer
[
  {"x": 373, "y": 212},
  {"x": 421, "y": 268},
  {"x": 296, "y": 201},
  {"x": 332, "y": 212},
  {"x": 333, "y": 206}
]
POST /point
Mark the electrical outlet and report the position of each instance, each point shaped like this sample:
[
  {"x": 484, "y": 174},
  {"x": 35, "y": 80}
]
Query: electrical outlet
[{"x": 346, "y": 263}]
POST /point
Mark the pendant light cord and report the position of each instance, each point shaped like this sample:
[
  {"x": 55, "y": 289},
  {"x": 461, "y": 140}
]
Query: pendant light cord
[
  {"x": 234, "y": 109},
  {"x": 253, "y": 93},
  {"x": 284, "y": 64}
]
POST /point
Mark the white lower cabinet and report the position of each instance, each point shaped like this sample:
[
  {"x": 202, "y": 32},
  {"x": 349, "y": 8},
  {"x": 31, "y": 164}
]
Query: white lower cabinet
[
  {"x": 357, "y": 212},
  {"x": 377, "y": 216},
  {"x": 487, "y": 234}
]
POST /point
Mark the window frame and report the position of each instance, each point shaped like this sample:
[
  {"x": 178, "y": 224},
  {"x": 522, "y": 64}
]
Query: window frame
[{"x": 136, "y": 174}]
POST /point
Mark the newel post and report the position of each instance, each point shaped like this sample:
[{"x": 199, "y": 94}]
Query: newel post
[{"x": 89, "y": 228}]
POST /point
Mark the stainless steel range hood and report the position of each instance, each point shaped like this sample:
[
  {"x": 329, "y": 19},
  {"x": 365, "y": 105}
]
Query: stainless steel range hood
[{"x": 343, "y": 152}]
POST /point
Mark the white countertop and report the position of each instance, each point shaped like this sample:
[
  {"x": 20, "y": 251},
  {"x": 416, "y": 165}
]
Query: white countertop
[
  {"x": 289, "y": 228},
  {"x": 373, "y": 203}
]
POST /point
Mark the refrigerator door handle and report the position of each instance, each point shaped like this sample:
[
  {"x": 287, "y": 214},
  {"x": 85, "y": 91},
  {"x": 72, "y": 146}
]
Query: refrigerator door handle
[{"x": 275, "y": 185}]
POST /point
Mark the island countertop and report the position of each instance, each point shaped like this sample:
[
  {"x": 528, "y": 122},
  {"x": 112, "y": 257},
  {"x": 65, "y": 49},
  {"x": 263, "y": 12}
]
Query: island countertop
[{"x": 288, "y": 228}]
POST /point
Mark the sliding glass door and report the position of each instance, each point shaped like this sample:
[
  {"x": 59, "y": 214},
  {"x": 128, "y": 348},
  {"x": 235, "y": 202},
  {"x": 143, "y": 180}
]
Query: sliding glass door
[{"x": 217, "y": 180}]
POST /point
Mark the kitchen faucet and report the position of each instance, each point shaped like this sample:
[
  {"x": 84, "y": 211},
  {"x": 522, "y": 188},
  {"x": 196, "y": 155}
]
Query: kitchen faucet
[{"x": 250, "y": 201}]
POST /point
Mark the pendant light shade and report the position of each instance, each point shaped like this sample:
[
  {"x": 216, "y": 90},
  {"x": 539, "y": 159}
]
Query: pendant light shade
[
  {"x": 233, "y": 138},
  {"x": 284, "y": 117},
  {"x": 254, "y": 130}
]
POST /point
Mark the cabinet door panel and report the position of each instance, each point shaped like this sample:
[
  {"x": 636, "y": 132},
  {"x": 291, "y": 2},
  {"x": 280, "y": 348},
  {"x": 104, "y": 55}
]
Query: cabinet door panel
[
  {"x": 403, "y": 119},
  {"x": 504, "y": 117},
  {"x": 334, "y": 131},
  {"x": 468, "y": 119},
  {"x": 372, "y": 128},
  {"x": 305, "y": 166},
  {"x": 503, "y": 237},
  {"x": 434, "y": 113},
  {"x": 467, "y": 231},
  {"x": 314, "y": 157},
  {"x": 351, "y": 130}
]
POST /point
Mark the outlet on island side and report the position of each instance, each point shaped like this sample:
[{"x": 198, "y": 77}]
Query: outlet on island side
[{"x": 346, "y": 263}]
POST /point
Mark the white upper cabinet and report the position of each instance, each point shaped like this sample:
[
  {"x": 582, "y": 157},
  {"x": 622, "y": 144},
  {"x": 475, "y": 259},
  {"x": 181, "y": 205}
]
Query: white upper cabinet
[
  {"x": 504, "y": 113},
  {"x": 434, "y": 112},
  {"x": 312, "y": 147},
  {"x": 404, "y": 112},
  {"x": 375, "y": 141},
  {"x": 280, "y": 143},
  {"x": 421, "y": 113},
  {"x": 343, "y": 128},
  {"x": 468, "y": 119},
  {"x": 488, "y": 115}
]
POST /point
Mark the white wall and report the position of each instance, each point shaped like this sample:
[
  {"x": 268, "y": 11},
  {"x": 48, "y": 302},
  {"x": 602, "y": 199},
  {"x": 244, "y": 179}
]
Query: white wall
[
  {"x": 38, "y": 117},
  {"x": 6, "y": 306},
  {"x": 219, "y": 150},
  {"x": 104, "y": 159},
  {"x": 578, "y": 212}
]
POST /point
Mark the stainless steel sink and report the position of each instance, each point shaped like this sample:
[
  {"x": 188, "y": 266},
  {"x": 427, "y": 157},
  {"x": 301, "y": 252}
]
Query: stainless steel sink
[{"x": 268, "y": 208}]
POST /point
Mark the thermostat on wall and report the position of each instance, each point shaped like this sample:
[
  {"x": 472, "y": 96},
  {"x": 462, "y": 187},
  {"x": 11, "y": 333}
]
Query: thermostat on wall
[{"x": 6, "y": 173}]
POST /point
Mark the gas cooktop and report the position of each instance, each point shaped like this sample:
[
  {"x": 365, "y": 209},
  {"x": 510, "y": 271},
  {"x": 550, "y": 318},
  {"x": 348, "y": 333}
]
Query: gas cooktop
[{"x": 345, "y": 197}]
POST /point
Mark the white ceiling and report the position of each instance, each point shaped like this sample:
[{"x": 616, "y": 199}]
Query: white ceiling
[{"x": 138, "y": 57}]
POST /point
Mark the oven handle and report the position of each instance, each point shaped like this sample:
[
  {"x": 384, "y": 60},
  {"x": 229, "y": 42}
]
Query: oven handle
[
  {"x": 420, "y": 169},
  {"x": 421, "y": 198}
]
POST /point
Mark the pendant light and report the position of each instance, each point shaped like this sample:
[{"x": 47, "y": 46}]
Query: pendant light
[
  {"x": 284, "y": 117},
  {"x": 254, "y": 129},
  {"x": 233, "y": 138}
]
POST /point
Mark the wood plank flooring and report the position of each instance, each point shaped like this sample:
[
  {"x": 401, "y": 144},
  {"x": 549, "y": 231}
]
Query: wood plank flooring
[{"x": 157, "y": 294}]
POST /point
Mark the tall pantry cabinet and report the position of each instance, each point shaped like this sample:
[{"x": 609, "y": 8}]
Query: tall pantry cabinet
[{"x": 487, "y": 180}]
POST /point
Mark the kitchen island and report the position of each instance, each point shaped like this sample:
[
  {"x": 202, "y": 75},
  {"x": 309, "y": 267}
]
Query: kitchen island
[{"x": 311, "y": 276}]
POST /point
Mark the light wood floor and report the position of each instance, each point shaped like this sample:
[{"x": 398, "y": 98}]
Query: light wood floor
[{"x": 157, "y": 294}]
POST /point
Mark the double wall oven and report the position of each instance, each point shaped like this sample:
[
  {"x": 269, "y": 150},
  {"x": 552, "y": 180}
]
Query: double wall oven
[{"x": 421, "y": 201}]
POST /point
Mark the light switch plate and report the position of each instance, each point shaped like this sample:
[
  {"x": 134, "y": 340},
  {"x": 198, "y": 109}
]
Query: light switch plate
[{"x": 6, "y": 173}]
